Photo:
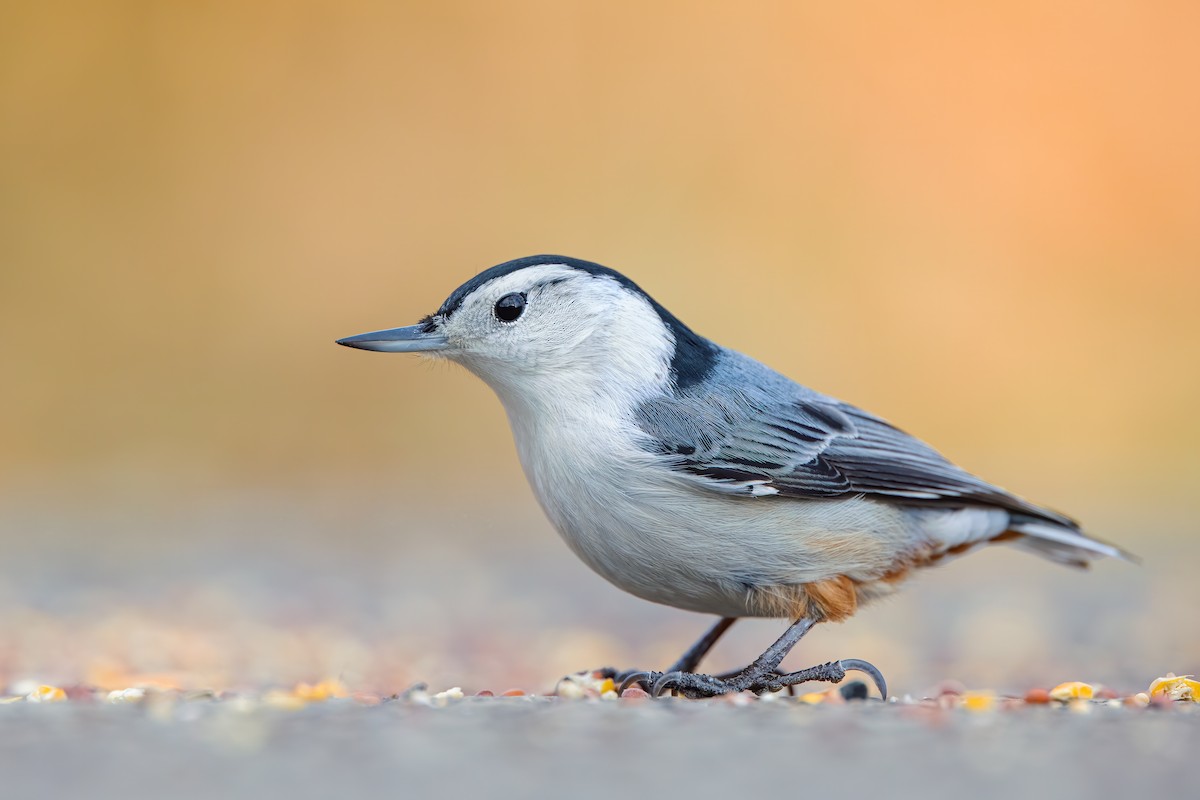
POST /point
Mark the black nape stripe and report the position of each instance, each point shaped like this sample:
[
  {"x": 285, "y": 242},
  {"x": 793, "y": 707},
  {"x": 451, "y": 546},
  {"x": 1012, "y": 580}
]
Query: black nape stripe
[{"x": 694, "y": 355}]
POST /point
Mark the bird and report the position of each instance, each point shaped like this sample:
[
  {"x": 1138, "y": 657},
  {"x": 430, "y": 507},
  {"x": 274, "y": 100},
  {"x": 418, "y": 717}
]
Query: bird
[{"x": 691, "y": 475}]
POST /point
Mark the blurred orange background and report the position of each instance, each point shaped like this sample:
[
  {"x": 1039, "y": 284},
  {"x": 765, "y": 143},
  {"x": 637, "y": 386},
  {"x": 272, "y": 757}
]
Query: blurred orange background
[{"x": 981, "y": 222}]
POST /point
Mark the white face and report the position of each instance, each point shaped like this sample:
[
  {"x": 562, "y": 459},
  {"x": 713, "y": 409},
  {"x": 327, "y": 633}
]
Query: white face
[{"x": 576, "y": 336}]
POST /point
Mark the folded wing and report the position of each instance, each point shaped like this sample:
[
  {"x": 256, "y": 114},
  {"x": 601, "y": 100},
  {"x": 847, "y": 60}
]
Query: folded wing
[{"x": 800, "y": 444}]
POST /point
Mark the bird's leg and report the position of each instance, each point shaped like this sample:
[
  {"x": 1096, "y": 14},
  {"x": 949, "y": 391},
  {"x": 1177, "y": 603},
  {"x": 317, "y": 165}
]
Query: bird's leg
[
  {"x": 763, "y": 674},
  {"x": 686, "y": 663},
  {"x": 691, "y": 659}
]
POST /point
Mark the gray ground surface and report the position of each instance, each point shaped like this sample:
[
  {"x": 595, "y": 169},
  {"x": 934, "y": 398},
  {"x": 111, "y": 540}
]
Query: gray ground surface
[
  {"x": 520, "y": 748},
  {"x": 250, "y": 595}
]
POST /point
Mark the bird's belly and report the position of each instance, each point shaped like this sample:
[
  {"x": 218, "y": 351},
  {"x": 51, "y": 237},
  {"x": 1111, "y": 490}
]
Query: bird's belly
[
  {"x": 656, "y": 535},
  {"x": 654, "y": 557}
]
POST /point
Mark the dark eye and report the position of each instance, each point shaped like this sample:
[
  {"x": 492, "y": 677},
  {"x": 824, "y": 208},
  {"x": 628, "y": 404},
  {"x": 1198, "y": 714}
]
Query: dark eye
[{"x": 509, "y": 307}]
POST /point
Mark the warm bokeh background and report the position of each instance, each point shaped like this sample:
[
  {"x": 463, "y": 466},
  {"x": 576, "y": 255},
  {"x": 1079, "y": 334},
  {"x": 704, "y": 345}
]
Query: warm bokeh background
[{"x": 982, "y": 222}]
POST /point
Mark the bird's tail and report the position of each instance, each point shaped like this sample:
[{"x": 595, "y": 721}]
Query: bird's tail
[{"x": 1066, "y": 544}]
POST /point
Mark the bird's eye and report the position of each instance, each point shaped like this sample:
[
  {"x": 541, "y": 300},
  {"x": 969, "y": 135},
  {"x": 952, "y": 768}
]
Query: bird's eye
[{"x": 509, "y": 307}]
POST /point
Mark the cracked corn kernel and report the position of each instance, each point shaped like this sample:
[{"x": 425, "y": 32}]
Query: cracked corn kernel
[
  {"x": 1174, "y": 687},
  {"x": 978, "y": 701},
  {"x": 316, "y": 692},
  {"x": 1072, "y": 690},
  {"x": 46, "y": 694},
  {"x": 817, "y": 698}
]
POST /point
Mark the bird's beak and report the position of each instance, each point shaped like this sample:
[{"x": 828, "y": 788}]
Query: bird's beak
[{"x": 413, "y": 339}]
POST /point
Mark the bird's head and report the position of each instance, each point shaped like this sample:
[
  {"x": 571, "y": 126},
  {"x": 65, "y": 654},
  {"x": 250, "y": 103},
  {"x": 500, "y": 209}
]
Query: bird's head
[{"x": 555, "y": 328}]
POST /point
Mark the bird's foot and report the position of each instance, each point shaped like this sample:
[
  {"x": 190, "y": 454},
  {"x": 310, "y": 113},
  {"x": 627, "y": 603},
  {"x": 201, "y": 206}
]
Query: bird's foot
[
  {"x": 756, "y": 679},
  {"x": 646, "y": 679}
]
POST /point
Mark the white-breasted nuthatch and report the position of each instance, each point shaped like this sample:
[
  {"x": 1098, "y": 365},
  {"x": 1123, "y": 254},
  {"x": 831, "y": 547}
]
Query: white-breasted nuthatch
[{"x": 695, "y": 476}]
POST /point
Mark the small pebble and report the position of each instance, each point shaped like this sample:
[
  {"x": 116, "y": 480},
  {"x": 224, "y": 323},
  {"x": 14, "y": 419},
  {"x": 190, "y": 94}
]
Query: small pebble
[
  {"x": 421, "y": 688},
  {"x": 569, "y": 689},
  {"x": 1037, "y": 696},
  {"x": 854, "y": 690},
  {"x": 133, "y": 695},
  {"x": 417, "y": 696},
  {"x": 948, "y": 700}
]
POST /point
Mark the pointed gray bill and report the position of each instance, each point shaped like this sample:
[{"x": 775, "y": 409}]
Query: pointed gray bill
[{"x": 413, "y": 339}]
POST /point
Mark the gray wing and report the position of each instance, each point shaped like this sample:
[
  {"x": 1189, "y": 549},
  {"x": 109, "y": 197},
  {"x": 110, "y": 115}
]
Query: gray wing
[{"x": 785, "y": 440}]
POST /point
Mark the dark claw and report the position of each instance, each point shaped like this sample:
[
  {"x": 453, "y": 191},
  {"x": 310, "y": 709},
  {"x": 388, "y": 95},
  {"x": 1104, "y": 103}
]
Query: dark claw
[
  {"x": 628, "y": 679},
  {"x": 869, "y": 669}
]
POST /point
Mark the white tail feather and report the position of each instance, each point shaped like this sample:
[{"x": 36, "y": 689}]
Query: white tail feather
[{"x": 1063, "y": 544}]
